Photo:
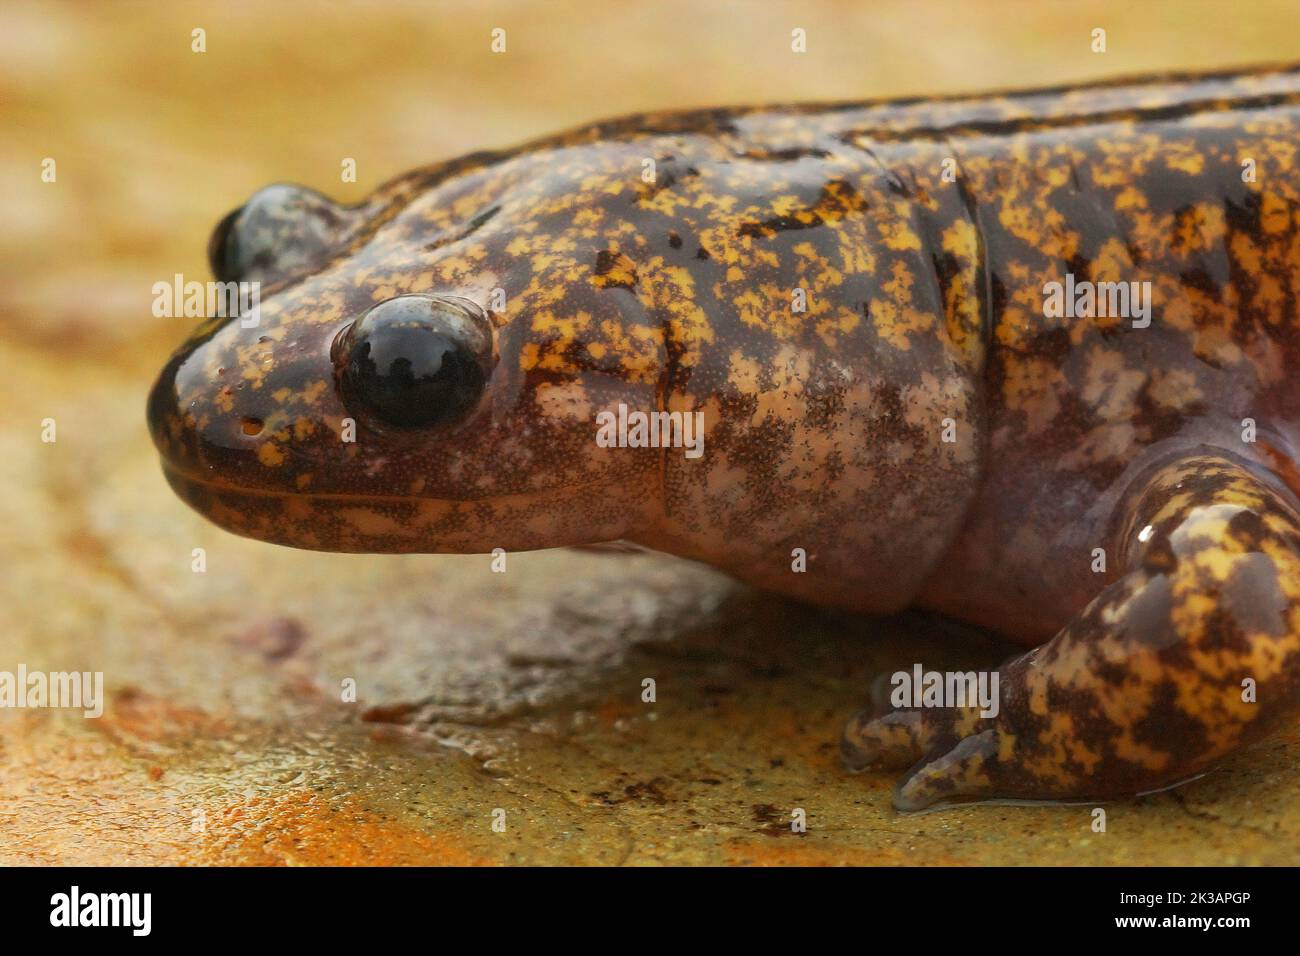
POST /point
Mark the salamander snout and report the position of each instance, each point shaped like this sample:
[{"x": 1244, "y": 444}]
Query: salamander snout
[{"x": 282, "y": 231}]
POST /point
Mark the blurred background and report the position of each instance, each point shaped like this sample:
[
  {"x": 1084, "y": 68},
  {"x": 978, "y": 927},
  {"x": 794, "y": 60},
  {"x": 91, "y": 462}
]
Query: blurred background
[{"x": 224, "y": 739}]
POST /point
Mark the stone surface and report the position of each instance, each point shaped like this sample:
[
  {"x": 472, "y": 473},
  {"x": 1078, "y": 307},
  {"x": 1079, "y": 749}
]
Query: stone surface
[{"x": 224, "y": 738}]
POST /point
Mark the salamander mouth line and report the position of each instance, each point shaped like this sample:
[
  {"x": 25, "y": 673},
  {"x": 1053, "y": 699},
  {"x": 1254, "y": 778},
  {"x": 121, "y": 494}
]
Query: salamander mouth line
[{"x": 227, "y": 488}]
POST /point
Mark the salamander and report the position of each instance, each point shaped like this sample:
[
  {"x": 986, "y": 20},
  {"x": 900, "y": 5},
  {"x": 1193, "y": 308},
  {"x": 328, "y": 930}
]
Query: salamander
[{"x": 907, "y": 395}]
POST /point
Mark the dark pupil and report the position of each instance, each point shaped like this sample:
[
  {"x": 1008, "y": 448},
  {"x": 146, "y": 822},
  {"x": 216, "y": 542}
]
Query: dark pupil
[{"x": 414, "y": 375}]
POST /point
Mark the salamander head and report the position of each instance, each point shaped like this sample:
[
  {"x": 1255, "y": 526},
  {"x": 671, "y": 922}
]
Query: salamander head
[{"x": 424, "y": 370}]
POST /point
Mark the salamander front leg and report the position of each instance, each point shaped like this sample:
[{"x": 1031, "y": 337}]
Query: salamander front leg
[{"x": 1193, "y": 653}]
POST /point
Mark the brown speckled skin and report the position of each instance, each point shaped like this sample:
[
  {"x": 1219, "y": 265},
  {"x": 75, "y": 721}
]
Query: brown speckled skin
[{"x": 825, "y": 427}]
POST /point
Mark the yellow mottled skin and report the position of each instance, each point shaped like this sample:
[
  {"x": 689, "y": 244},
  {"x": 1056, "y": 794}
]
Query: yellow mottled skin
[{"x": 853, "y": 295}]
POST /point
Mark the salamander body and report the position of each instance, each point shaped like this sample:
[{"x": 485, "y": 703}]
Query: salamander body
[{"x": 1027, "y": 359}]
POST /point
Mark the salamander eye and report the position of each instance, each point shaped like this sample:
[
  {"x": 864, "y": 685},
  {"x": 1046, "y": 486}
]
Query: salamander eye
[
  {"x": 415, "y": 360},
  {"x": 282, "y": 230}
]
